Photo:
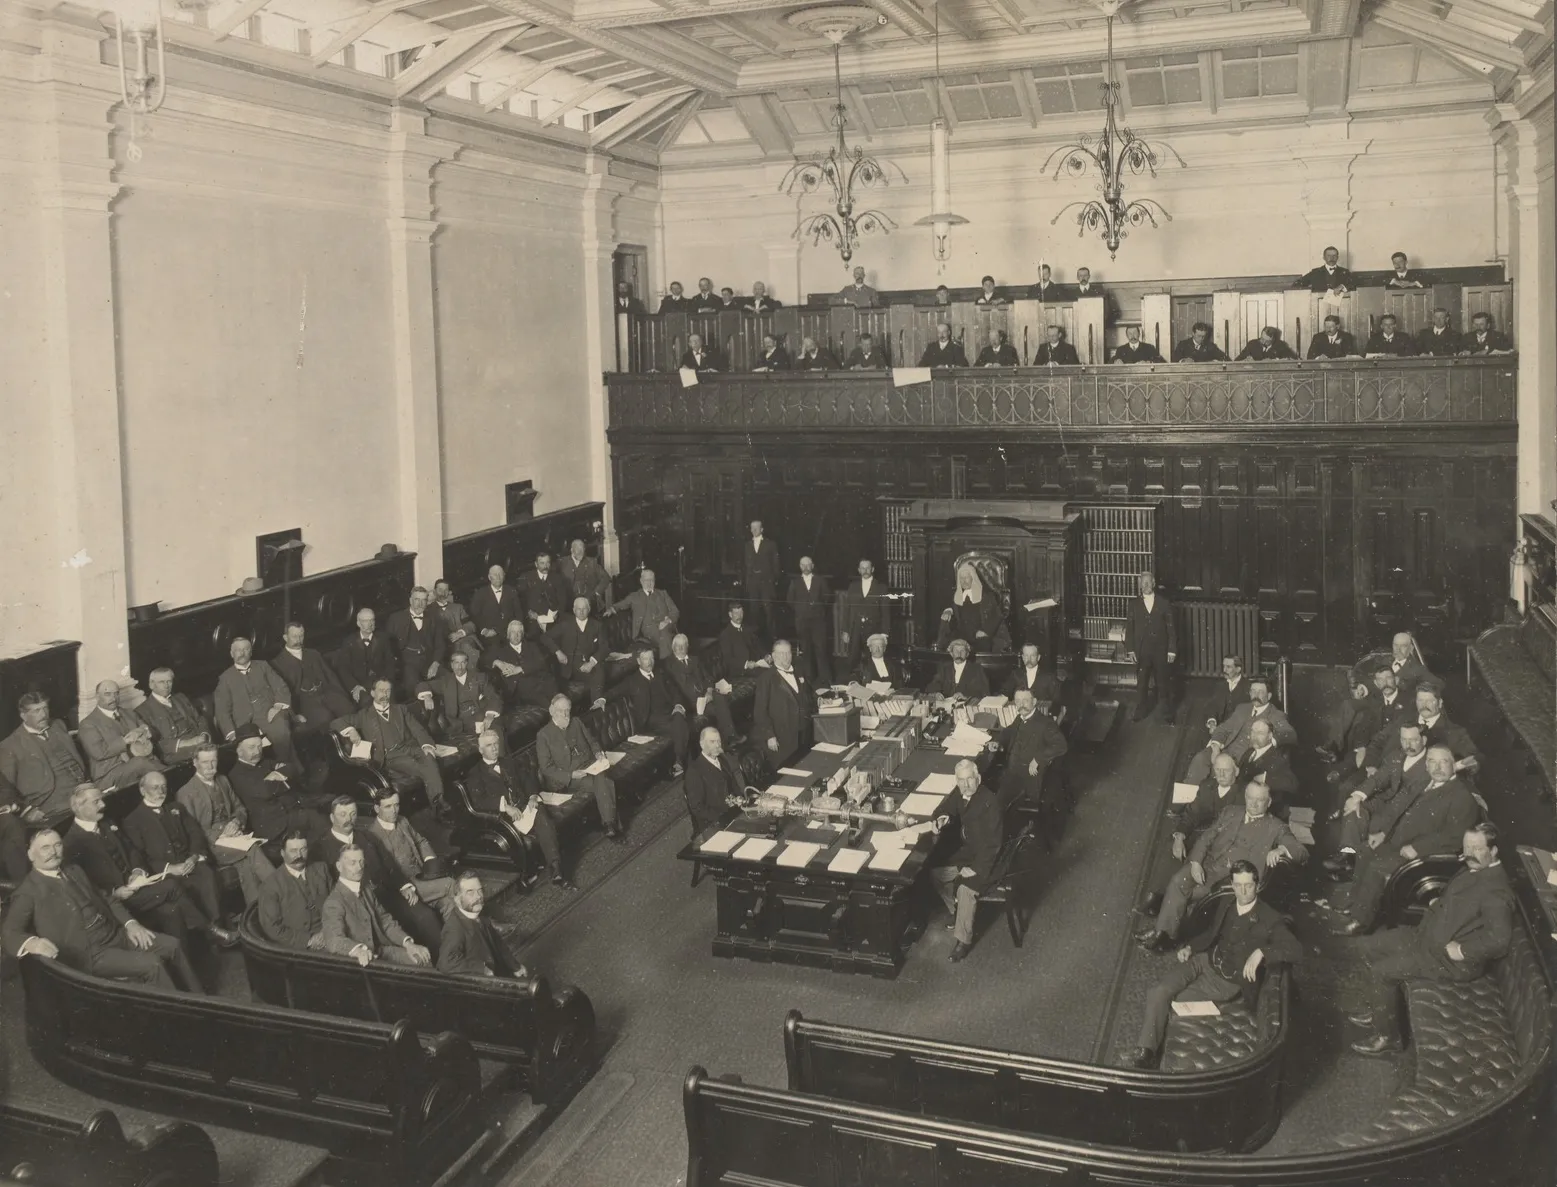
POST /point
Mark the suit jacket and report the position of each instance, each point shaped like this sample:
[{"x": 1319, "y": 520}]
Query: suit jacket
[
  {"x": 473, "y": 947},
  {"x": 1151, "y": 632},
  {"x": 1409, "y": 674},
  {"x": 822, "y": 360},
  {"x": 455, "y": 620},
  {"x": 1392, "y": 782},
  {"x": 42, "y": 907},
  {"x": 465, "y": 706},
  {"x": 351, "y": 919},
  {"x": 775, "y": 360},
  {"x": 360, "y": 664},
  {"x": 1208, "y": 804},
  {"x": 1494, "y": 340},
  {"x": 1231, "y": 838},
  {"x": 25, "y": 765},
  {"x": 1050, "y": 292},
  {"x": 688, "y": 679},
  {"x": 1322, "y": 279},
  {"x": 491, "y": 612},
  {"x": 1320, "y": 346},
  {"x": 1233, "y": 733},
  {"x": 781, "y": 713},
  {"x": 243, "y": 698},
  {"x": 106, "y": 857},
  {"x": 535, "y": 685},
  {"x": 587, "y": 579},
  {"x": 859, "y": 361},
  {"x": 379, "y": 869},
  {"x": 487, "y": 788},
  {"x": 1411, "y": 280},
  {"x": 1259, "y": 351},
  {"x": 166, "y": 837},
  {"x": 866, "y": 615},
  {"x": 102, "y": 737},
  {"x": 760, "y": 568},
  {"x": 651, "y": 701},
  {"x": 290, "y": 912},
  {"x": 949, "y": 355},
  {"x": 1264, "y": 928},
  {"x": 1024, "y": 741},
  {"x": 625, "y": 303},
  {"x": 267, "y": 802},
  {"x": 417, "y": 649},
  {"x": 311, "y": 677},
  {"x": 809, "y": 605},
  {"x": 559, "y": 753},
  {"x": 1276, "y": 768},
  {"x": 737, "y": 647},
  {"x": 1225, "y": 700},
  {"x": 402, "y": 733},
  {"x": 1444, "y": 732},
  {"x": 1043, "y": 685},
  {"x": 1385, "y": 738},
  {"x": 706, "y": 360},
  {"x": 706, "y": 786},
  {"x": 1438, "y": 345},
  {"x": 544, "y": 594},
  {"x": 866, "y": 673},
  {"x": 647, "y": 609},
  {"x": 183, "y": 720},
  {"x": 1401, "y": 344},
  {"x": 861, "y": 296},
  {"x": 760, "y": 304},
  {"x": 212, "y": 807},
  {"x": 1431, "y": 822},
  {"x": 1063, "y": 355},
  {"x": 1207, "y": 352},
  {"x": 973, "y": 683},
  {"x": 983, "y": 832},
  {"x": 1003, "y": 355},
  {"x": 702, "y": 302},
  {"x": 1476, "y": 910},
  {"x": 681, "y": 304},
  {"x": 1142, "y": 352}
]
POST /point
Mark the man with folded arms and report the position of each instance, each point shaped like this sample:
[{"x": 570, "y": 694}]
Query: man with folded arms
[
  {"x": 117, "y": 742},
  {"x": 177, "y": 727},
  {"x": 291, "y": 903},
  {"x": 1222, "y": 963},
  {"x": 273, "y": 804},
  {"x": 586, "y": 577},
  {"x": 580, "y": 649},
  {"x": 420, "y": 643},
  {"x": 411, "y": 852},
  {"x": 545, "y": 595},
  {"x": 521, "y": 669},
  {"x": 57, "y": 914},
  {"x": 39, "y": 759},
  {"x": 469, "y": 701},
  {"x": 400, "y": 743},
  {"x": 565, "y": 751},
  {"x": 967, "y": 873},
  {"x": 251, "y": 691},
  {"x": 355, "y": 923},
  {"x": 471, "y": 944},
  {"x": 220, "y": 814},
  {"x": 495, "y": 787}
]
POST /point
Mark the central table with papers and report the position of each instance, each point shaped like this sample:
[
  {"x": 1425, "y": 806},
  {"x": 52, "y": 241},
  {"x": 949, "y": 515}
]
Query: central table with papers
[{"x": 800, "y": 891}]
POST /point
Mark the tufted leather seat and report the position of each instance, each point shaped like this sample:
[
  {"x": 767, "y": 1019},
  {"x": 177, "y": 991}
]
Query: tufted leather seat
[
  {"x": 1237, "y": 1034},
  {"x": 1473, "y": 1040}
]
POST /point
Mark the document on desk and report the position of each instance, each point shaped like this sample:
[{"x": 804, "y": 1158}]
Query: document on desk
[
  {"x": 722, "y": 841},
  {"x": 1184, "y": 793},
  {"x": 799, "y": 853},
  {"x": 795, "y": 771},
  {"x": 922, "y": 803},
  {"x": 640, "y": 739},
  {"x": 787, "y": 791},
  {"x": 904, "y": 376},
  {"x": 1196, "y": 1009},
  {"x": 880, "y": 688},
  {"x": 848, "y": 861},
  {"x": 938, "y": 784},
  {"x": 992, "y": 704},
  {"x": 755, "y": 849},
  {"x": 962, "y": 748},
  {"x": 830, "y": 747},
  {"x": 242, "y": 842},
  {"x": 688, "y": 377},
  {"x": 889, "y": 859}
]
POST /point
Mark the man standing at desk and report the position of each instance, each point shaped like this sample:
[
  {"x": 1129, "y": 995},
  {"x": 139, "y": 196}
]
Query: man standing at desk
[
  {"x": 781, "y": 720},
  {"x": 960, "y": 881}
]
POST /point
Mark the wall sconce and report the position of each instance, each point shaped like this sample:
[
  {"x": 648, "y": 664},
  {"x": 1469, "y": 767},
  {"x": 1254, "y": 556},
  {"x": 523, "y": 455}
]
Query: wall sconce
[
  {"x": 941, "y": 220},
  {"x": 142, "y": 85}
]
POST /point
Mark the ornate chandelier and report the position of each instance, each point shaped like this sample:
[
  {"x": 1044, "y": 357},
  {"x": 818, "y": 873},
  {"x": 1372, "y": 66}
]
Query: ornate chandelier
[
  {"x": 1114, "y": 151},
  {"x": 843, "y": 168}
]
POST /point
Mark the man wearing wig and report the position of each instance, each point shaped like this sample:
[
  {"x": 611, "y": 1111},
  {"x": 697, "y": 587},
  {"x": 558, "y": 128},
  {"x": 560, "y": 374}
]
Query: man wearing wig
[{"x": 974, "y": 614}]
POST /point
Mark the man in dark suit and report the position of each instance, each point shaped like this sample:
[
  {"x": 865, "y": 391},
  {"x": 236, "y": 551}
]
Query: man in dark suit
[
  {"x": 859, "y": 294},
  {"x": 988, "y": 297},
  {"x": 959, "y": 675},
  {"x": 467, "y": 700},
  {"x": 759, "y": 301},
  {"x": 1134, "y": 350},
  {"x": 1395, "y": 708},
  {"x": 867, "y": 355},
  {"x": 1030, "y": 743},
  {"x": 177, "y": 727},
  {"x": 1046, "y": 289},
  {"x": 1222, "y": 963},
  {"x": 274, "y": 805},
  {"x": 1388, "y": 342},
  {"x": 167, "y": 839},
  {"x": 625, "y": 302},
  {"x": 379, "y": 871},
  {"x": 1438, "y": 729},
  {"x": 585, "y": 576},
  {"x": 1230, "y": 693},
  {"x": 999, "y": 352},
  {"x": 1483, "y": 338},
  {"x": 493, "y": 607},
  {"x": 1056, "y": 352},
  {"x": 1152, "y": 641},
  {"x": 697, "y": 357},
  {"x": 1199, "y": 347},
  {"x": 877, "y": 666},
  {"x": 400, "y": 744},
  {"x": 944, "y": 351},
  {"x": 740, "y": 651},
  {"x": 781, "y": 717},
  {"x": 1429, "y": 823},
  {"x": 545, "y": 595},
  {"x": 1329, "y": 277},
  {"x": 1218, "y": 789},
  {"x": 1346, "y": 742},
  {"x": 354, "y": 923},
  {"x": 968, "y": 872},
  {"x": 317, "y": 695},
  {"x": 522, "y": 669},
  {"x": 1441, "y": 340},
  {"x": 1266, "y": 348},
  {"x": 1029, "y": 676},
  {"x": 1332, "y": 342},
  {"x": 728, "y": 303},
  {"x": 420, "y": 642},
  {"x": 813, "y": 357},
  {"x": 366, "y": 656},
  {"x": 1465, "y": 929},
  {"x": 655, "y": 707},
  {"x": 699, "y": 696},
  {"x": 710, "y": 778},
  {"x": 459, "y": 631},
  {"x": 471, "y": 945},
  {"x": 291, "y": 903},
  {"x": 495, "y": 787},
  {"x": 1084, "y": 287},
  {"x": 565, "y": 751},
  {"x": 675, "y": 300},
  {"x": 809, "y": 597},
  {"x": 1402, "y": 277},
  {"x": 705, "y": 300},
  {"x": 1402, "y": 777},
  {"x": 759, "y": 578},
  {"x": 1403, "y": 661},
  {"x": 773, "y": 357},
  {"x": 866, "y": 611},
  {"x": 1265, "y": 763},
  {"x": 56, "y": 913}
]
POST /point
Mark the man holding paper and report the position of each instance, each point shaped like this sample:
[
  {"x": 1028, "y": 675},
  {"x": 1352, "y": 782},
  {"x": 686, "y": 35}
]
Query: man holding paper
[
  {"x": 495, "y": 787},
  {"x": 1220, "y": 964},
  {"x": 571, "y": 760},
  {"x": 469, "y": 701},
  {"x": 698, "y": 695},
  {"x": 546, "y": 597},
  {"x": 711, "y": 776},
  {"x": 395, "y": 741},
  {"x": 216, "y": 808},
  {"x": 968, "y": 872},
  {"x": 168, "y": 839}
]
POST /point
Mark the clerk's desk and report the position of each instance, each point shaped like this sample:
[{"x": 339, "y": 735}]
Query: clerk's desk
[{"x": 861, "y": 922}]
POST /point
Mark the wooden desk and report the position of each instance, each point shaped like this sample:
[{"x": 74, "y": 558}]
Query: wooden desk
[{"x": 863, "y": 922}]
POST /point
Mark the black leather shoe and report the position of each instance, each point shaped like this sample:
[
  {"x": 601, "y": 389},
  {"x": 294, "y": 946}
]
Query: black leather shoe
[
  {"x": 1140, "y": 1057},
  {"x": 1377, "y": 1045},
  {"x": 960, "y": 951},
  {"x": 222, "y": 937},
  {"x": 1341, "y": 863},
  {"x": 1346, "y": 927},
  {"x": 1363, "y": 1019},
  {"x": 1154, "y": 941},
  {"x": 614, "y": 833},
  {"x": 1150, "y": 905}
]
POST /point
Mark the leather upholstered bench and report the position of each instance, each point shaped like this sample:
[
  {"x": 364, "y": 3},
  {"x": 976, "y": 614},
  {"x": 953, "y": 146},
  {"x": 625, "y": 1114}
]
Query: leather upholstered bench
[{"x": 1201, "y": 1043}]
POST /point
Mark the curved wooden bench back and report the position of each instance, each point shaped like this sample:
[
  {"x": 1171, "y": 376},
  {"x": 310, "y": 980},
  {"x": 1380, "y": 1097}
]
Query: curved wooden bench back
[{"x": 62, "y": 1151}]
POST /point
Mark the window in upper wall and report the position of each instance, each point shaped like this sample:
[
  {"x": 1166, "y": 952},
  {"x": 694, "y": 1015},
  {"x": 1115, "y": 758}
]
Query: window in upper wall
[
  {"x": 1073, "y": 87},
  {"x": 1158, "y": 82},
  {"x": 1250, "y": 72}
]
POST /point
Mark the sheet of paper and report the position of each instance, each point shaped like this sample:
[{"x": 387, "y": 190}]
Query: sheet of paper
[
  {"x": 992, "y": 704},
  {"x": 1196, "y": 1009},
  {"x": 362, "y": 750},
  {"x": 755, "y": 849},
  {"x": 599, "y": 766},
  {"x": 1184, "y": 793},
  {"x": 921, "y": 803},
  {"x": 1302, "y": 833},
  {"x": 889, "y": 859},
  {"x": 443, "y": 751},
  {"x": 827, "y": 825},
  {"x": 619, "y": 655},
  {"x": 787, "y": 791},
  {"x": 970, "y": 733},
  {"x": 938, "y": 784},
  {"x": 830, "y": 747},
  {"x": 794, "y": 771},
  {"x": 799, "y": 853},
  {"x": 546, "y": 619},
  {"x": 640, "y": 739},
  {"x": 848, "y": 861},
  {"x": 243, "y": 842},
  {"x": 688, "y": 377},
  {"x": 526, "y": 820},
  {"x": 702, "y": 704},
  {"x": 555, "y": 799},
  {"x": 615, "y": 756},
  {"x": 722, "y": 841},
  {"x": 888, "y": 838},
  {"x": 880, "y": 688},
  {"x": 903, "y": 376},
  {"x": 1039, "y": 604},
  {"x": 962, "y": 749}
]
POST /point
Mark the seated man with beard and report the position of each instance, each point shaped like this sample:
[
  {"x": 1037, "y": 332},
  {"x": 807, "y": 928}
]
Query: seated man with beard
[{"x": 522, "y": 669}]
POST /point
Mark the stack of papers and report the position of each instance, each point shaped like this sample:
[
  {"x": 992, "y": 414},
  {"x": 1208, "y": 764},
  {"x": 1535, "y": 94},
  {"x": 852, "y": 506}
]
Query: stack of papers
[
  {"x": 640, "y": 739},
  {"x": 848, "y": 861},
  {"x": 1184, "y": 793},
  {"x": 795, "y": 772},
  {"x": 937, "y": 785},
  {"x": 1196, "y": 1009},
  {"x": 921, "y": 803},
  {"x": 755, "y": 849},
  {"x": 907, "y": 838},
  {"x": 966, "y": 740},
  {"x": 889, "y": 859},
  {"x": 242, "y": 842},
  {"x": 799, "y": 853},
  {"x": 787, "y": 791},
  {"x": 830, "y": 747},
  {"x": 992, "y": 704},
  {"x": 722, "y": 842}
]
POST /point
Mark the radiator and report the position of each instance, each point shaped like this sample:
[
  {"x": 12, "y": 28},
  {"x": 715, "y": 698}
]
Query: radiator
[{"x": 1210, "y": 630}]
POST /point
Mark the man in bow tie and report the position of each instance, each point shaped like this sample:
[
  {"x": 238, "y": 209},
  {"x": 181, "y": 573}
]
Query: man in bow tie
[
  {"x": 781, "y": 718},
  {"x": 420, "y": 639},
  {"x": 496, "y": 787}
]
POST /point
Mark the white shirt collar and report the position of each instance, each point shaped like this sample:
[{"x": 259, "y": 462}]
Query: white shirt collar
[
  {"x": 1243, "y": 910},
  {"x": 112, "y": 714},
  {"x": 295, "y": 652},
  {"x": 243, "y": 670},
  {"x": 160, "y": 699},
  {"x": 354, "y": 887},
  {"x": 347, "y": 837},
  {"x": 1258, "y": 709},
  {"x": 1411, "y": 759},
  {"x": 468, "y": 914},
  {"x": 49, "y": 873},
  {"x": 88, "y": 825},
  {"x": 1255, "y": 753},
  {"x": 301, "y": 875},
  {"x": 387, "y": 827}
]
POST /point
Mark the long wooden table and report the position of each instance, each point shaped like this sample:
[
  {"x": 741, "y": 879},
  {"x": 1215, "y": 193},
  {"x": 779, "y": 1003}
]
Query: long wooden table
[{"x": 861, "y": 922}]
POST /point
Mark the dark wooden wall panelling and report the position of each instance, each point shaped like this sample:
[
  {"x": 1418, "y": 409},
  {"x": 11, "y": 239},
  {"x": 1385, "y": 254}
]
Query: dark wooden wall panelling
[
  {"x": 52, "y": 670},
  {"x": 466, "y": 559}
]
